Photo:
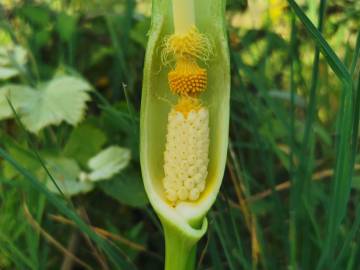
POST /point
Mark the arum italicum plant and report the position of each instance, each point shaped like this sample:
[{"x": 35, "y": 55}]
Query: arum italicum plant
[{"x": 184, "y": 119}]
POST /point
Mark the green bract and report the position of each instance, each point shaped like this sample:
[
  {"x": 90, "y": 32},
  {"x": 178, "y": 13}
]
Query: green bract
[{"x": 185, "y": 223}]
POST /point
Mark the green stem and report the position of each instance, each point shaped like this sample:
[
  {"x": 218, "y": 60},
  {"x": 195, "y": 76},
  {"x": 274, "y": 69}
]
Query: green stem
[
  {"x": 180, "y": 250},
  {"x": 180, "y": 244}
]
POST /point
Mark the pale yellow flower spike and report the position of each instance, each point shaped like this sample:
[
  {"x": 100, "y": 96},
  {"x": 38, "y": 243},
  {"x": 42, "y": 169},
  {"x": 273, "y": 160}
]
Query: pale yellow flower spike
[
  {"x": 187, "y": 141},
  {"x": 186, "y": 154}
]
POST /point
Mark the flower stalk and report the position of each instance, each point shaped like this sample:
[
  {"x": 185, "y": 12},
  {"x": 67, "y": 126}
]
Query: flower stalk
[
  {"x": 184, "y": 16},
  {"x": 180, "y": 248}
]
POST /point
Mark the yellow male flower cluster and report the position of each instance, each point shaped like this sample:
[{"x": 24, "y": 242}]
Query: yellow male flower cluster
[{"x": 187, "y": 79}]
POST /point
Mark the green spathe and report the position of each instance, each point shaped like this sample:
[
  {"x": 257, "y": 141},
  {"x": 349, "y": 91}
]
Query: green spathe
[{"x": 184, "y": 224}]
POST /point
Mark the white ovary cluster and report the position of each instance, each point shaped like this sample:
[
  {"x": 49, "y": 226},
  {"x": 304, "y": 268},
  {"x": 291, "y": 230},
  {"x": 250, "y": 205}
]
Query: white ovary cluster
[{"x": 186, "y": 155}]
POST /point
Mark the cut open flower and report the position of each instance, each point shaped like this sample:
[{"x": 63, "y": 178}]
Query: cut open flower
[{"x": 184, "y": 141}]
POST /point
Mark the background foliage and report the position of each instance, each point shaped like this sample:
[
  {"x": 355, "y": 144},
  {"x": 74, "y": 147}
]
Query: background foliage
[{"x": 71, "y": 195}]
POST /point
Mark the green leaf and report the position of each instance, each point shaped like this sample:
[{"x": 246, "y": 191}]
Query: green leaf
[
  {"x": 127, "y": 188},
  {"x": 10, "y": 60},
  {"x": 16, "y": 253},
  {"x": 18, "y": 95},
  {"x": 5, "y": 37},
  {"x": 108, "y": 163},
  {"x": 36, "y": 14},
  {"x": 66, "y": 26},
  {"x": 236, "y": 4},
  {"x": 138, "y": 33},
  {"x": 356, "y": 182},
  {"x": 9, "y": 54},
  {"x": 138, "y": 234},
  {"x": 116, "y": 118},
  {"x": 65, "y": 172},
  {"x": 7, "y": 73},
  {"x": 61, "y": 99},
  {"x": 42, "y": 37},
  {"x": 84, "y": 142},
  {"x": 22, "y": 156}
]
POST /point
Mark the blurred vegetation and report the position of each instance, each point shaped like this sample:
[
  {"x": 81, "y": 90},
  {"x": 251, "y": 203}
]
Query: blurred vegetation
[{"x": 71, "y": 195}]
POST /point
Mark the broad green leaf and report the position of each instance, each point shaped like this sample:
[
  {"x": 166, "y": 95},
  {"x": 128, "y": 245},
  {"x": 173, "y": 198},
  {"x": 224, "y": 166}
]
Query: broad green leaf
[
  {"x": 66, "y": 26},
  {"x": 18, "y": 95},
  {"x": 65, "y": 172},
  {"x": 61, "y": 99},
  {"x": 127, "y": 188},
  {"x": 5, "y": 109},
  {"x": 5, "y": 37},
  {"x": 84, "y": 142},
  {"x": 36, "y": 14},
  {"x": 42, "y": 37},
  {"x": 108, "y": 163},
  {"x": 7, "y": 73},
  {"x": 10, "y": 60},
  {"x": 12, "y": 54}
]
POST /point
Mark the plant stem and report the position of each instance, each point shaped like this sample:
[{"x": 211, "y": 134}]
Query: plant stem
[
  {"x": 184, "y": 15},
  {"x": 68, "y": 261},
  {"x": 180, "y": 250}
]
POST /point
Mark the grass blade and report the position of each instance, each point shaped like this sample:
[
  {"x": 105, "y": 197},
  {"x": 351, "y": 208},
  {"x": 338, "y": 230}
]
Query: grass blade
[
  {"x": 109, "y": 249},
  {"x": 16, "y": 255},
  {"x": 333, "y": 60}
]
